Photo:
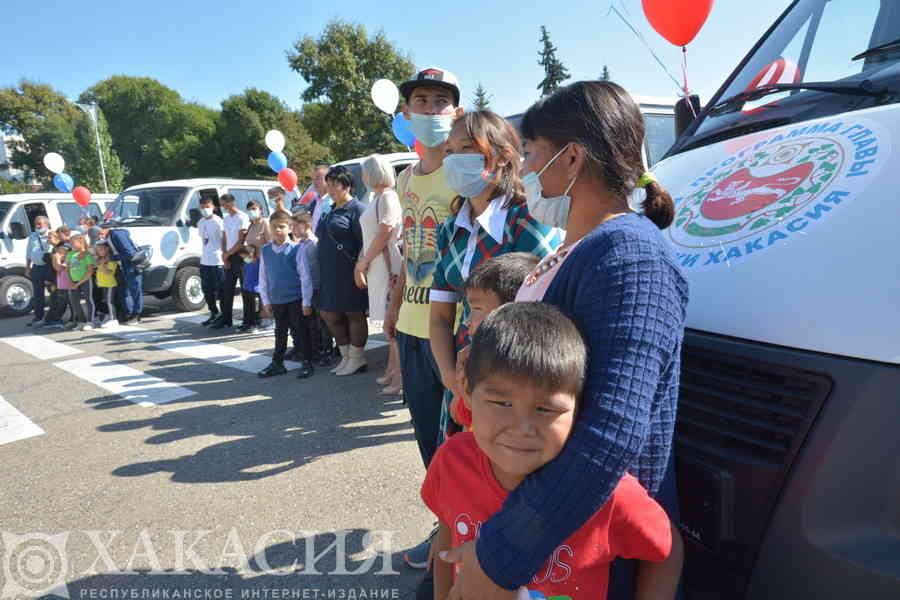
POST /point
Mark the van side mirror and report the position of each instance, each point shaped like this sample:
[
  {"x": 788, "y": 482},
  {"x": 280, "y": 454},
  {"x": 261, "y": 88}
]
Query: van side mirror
[{"x": 686, "y": 113}]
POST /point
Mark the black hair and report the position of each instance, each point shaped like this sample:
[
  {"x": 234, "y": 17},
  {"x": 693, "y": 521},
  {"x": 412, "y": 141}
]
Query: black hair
[
  {"x": 279, "y": 216},
  {"x": 340, "y": 175},
  {"x": 602, "y": 118},
  {"x": 529, "y": 340},
  {"x": 226, "y": 198},
  {"x": 206, "y": 200},
  {"x": 503, "y": 274},
  {"x": 251, "y": 203}
]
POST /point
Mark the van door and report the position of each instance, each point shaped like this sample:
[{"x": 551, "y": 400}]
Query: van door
[
  {"x": 15, "y": 238},
  {"x": 71, "y": 212}
]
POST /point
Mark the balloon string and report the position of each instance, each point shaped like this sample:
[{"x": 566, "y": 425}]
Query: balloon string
[
  {"x": 687, "y": 94},
  {"x": 644, "y": 42}
]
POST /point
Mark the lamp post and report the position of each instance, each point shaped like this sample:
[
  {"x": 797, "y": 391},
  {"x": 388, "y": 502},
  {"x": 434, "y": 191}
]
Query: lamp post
[{"x": 91, "y": 110}]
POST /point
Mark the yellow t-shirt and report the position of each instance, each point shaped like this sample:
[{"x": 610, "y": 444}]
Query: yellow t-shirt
[
  {"x": 426, "y": 204},
  {"x": 106, "y": 274}
]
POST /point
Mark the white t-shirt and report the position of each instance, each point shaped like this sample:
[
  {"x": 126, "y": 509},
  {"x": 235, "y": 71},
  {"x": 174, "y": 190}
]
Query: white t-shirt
[
  {"x": 233, "y": 226},
  {"x": 211, "y": 237}
]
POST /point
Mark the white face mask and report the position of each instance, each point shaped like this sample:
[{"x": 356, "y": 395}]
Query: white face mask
[
  {"x": 206, "y": 212},
  {"x": 253, "y": 214},
  {"x": 552, "y": 212},
  {"x": 431, "y": 130},
  {"x": 466, "y": 174}
]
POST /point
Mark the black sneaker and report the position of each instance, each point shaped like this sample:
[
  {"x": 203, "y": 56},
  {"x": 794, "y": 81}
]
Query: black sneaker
[
  {"x": 272, "y": 370},
  {"x": 294, "y": 355},
  {"x": 327, "y": 358},
  {"x": 213, "y": 317},
  {"x": 245, "y": 327},
  {"x": 220, "y": 323},
  {"x": 305, "y": 371}
]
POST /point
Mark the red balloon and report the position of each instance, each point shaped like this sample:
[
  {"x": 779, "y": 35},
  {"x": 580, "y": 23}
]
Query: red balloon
[
  {"x": 420, "y": 149},
  {"x": 677, "y": 20},
  {"x": 287, "y": 178},
  {"x": 82, "y": 195}
]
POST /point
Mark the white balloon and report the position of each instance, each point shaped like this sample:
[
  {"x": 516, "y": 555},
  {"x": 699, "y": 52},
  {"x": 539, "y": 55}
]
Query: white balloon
[
  {"x": 385, "y": 95},
  {"x": 275, "y": 140},
  {"x": 54, "y": 162}
]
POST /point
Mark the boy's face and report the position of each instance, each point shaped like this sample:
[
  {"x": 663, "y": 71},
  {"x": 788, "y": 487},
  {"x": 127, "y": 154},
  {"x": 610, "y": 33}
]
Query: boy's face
[
  {"x": 280, "y": 230},
  {"x": 300, "y": 230},
  {"x": 520, "y": 426},
  {"x": 481, "y": 303},
  {"x": 429, "y": 100}
]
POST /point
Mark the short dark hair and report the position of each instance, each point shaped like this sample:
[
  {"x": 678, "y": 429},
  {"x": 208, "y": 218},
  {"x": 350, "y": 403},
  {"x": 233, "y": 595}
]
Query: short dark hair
[
  {"x": 275, "y": 191},
  {"x": 302, "y": 216},
  {"x": 279, "y": 216},
  {"x": 533, "y": 341},
  {"x": 206, "y": 200},
  {"x": 252, "y": 203},
  {"x": 340, "y": 175},
  {"x": 503, "y": 274},
  {"x": 226, "y": 198}
]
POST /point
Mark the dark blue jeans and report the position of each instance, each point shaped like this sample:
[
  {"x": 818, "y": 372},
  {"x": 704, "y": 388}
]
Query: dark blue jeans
[
  {"x": 212, "y": 281},
  {"x": 132, "y": 290},
  {"x": 423, "y": 391},
  {"x": 39, "y": 274}
]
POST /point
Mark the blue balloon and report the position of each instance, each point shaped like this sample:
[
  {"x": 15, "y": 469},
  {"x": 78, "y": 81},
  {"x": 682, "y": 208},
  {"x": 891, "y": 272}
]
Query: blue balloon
[
  {"x": 277, "y": 161},
  {"x": 400, "y": 126},
  {"x": 63, "y": 182}
]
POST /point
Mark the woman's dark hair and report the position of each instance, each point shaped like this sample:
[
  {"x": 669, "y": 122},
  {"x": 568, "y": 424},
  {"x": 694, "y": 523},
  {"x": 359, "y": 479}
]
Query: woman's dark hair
[
  {"x": 530, "y": 341},
  {"x": 601, "y": 117},
  {"x": 340, "y": 175},
  {"x": 496, "y": 138}
]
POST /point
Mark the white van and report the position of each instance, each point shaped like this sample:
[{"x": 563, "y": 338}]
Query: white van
[
  {"x": 399, "y": 160},
  {"x": 163, "y": 216},
  {"x": 17, "y": 214},
  {"x": 786, "y": 224}
]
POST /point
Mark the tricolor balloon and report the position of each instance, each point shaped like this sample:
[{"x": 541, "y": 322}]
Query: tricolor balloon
[
  {"x": 400, "y": 127},
  {"x": 385, "y": 95},
  {"x": 54, "y": 162},
  {"x": 63, "y": 182},
  {"x": 275, "y": 140},
  {"x": 288, "y": 179},
  {"x": 82, "y": 195},
  {"x": 277, "y": 161}
]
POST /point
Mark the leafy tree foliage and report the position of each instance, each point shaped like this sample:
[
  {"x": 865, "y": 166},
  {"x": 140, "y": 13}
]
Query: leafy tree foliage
[
  {"x": 481, "y": 100},
  {"x": 554, "y": 71}
]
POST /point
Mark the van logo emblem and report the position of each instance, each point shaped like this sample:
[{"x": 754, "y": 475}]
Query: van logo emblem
[{"x": 774, "y": 189}]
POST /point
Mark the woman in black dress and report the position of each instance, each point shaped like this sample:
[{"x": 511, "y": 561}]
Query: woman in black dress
[{"x": 342, "y": 304}]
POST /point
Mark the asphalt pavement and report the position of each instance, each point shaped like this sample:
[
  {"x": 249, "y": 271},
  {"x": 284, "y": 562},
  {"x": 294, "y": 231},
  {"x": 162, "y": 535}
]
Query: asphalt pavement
[{"x": 151, "y": 462}]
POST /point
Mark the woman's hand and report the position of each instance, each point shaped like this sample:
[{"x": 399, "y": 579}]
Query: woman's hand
[
  {"x": 359, "y": 274},
  {"x": 307, "y": 311},
  {"x": 471, "y": 582}
]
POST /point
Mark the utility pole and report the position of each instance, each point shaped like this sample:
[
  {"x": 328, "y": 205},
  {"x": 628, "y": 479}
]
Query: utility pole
[{"x": 91, "y": 110}]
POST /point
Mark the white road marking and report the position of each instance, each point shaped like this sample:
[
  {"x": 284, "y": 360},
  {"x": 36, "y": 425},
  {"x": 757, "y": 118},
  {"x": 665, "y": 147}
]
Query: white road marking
[
  {"x": 130, "y": 384},
  {"x": 40, "y": 346},
  {"x": 15, "y": 426}
]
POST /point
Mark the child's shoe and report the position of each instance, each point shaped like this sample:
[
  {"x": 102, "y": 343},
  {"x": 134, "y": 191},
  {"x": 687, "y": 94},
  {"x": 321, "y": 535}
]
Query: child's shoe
[
  {"x": 87, "y": 327},
  {"x": 272, "y": 370},
  {"x": 71, "y": 325}
]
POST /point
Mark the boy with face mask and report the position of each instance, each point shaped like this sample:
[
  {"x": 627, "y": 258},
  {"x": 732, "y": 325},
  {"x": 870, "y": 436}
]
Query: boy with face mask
[
  {"x": 212, "y": 276},
  {"x": 431, "y": 103}
]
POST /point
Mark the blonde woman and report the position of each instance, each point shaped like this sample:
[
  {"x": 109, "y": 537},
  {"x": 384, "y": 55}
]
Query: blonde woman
[{"x": 380, "y": 260}]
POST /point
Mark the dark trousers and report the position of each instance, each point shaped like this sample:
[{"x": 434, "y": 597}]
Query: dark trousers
[
  {"x": 84, "y": 292},
  {"x": 132, "y": 290},
  {"x": 39, "y": 274},
  {"x": 423, "y": 391},
  {"x": 100, "y": 306},
  {"x": 251, "y": 307},
  {"x": 290, "y": 317},
  {"x": 212, "y": 282},
  {"x": 59, "y": 300},
  {"x": 232, "y": 276}
]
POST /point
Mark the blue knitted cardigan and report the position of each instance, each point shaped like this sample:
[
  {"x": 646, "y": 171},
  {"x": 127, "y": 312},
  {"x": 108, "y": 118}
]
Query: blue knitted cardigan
[{"x": 629, "y": 297}]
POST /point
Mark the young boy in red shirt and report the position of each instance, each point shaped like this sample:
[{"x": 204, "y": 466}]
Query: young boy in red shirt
[{"x": 522, "y": 383}]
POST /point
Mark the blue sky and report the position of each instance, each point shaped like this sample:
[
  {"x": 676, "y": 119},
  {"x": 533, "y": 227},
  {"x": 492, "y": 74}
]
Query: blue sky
[{"x": 208, "y": 50}]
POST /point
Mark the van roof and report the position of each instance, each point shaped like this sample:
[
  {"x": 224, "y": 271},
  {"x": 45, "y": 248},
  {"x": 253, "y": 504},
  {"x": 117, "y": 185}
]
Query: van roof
[
  {"x": 201, "y": 181},
  {"x": 50, "y": 197},
  {"x": 391, "y": 157}
]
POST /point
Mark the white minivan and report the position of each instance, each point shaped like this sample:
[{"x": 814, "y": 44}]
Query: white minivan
[
  {"x": 17, "y": 214},
  {"x": 787, "y": 225},
  {"x": 162, "y": 218}
]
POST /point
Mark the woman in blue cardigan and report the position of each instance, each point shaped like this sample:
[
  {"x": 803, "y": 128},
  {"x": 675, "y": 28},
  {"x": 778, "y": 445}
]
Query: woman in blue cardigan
[{"x": 615, "y": 276}]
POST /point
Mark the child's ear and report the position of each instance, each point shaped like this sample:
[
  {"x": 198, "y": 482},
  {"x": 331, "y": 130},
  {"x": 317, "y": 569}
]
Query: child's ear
[{"x": 467, "y": 393}]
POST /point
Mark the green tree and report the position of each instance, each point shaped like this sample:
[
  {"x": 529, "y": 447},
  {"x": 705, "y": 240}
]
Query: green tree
[
  {"x": 48, "y": 122},
  {"x": 481, "y": 100},
  {"x": 8, "y": 186},
  {"x": 339, "y": 68},
  {"x": 149, "y": 122},
  {"x": 86, "y": 169},
  {"x": 239, "y": 140},
  {"x": 191, "y": 153},
  {"x": 554, "y": 71},
  {"x": 604, "y": 76}
]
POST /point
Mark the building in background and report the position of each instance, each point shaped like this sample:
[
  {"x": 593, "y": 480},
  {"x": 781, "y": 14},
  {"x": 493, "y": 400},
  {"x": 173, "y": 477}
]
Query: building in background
[{"x": 6, "y": 170}]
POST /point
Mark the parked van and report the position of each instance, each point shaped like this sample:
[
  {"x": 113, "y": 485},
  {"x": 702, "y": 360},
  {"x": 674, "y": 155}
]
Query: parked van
[
  {"x": 17, "y": 214},
  {"x": 162, "y": 217},
  {"x": 399, "y": 160},
  {"x": 786, "y": 224}
]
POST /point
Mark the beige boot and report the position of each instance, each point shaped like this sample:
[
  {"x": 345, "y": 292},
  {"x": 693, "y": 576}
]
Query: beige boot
[
  {"x": 356, "y": 363},
  {"x": 345, "y": 356}
]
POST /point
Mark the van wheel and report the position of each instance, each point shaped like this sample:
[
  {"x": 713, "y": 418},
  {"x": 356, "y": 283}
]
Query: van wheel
[
  {"x": 15, "y": 295},
  {"x": 187, "y": 291}
]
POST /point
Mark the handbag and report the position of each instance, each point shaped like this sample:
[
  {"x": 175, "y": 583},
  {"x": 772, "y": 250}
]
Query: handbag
[
  {"x": 385, "y": 253},
  {"x": 337, "y": 244},
  {"x": 140, "y": 260}
]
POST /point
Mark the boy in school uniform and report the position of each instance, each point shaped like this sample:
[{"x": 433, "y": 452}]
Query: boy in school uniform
[
  {"x": 212, "y": 275},
  {"x": 286, "y": 289},
  {"x": 302, "y": 233}
]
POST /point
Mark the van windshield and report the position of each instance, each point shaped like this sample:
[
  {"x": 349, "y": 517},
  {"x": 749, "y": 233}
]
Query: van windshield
[
  {"x": 5, "y": 207},
  {"x": 854, "y": 45},
  {"x": 147, "y": 207}
]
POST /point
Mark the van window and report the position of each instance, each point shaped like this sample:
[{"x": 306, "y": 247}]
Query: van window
[
  {"x": 71, "y": 212},
  {"x": 243, "y": 196},
  {"x": 19, "y": 228},
  {"x": 659, "y": 136},
  {"x": 33, "y": 210},
  {"x": 156, "y": 206},
  {"x": 193, "y": 206}
]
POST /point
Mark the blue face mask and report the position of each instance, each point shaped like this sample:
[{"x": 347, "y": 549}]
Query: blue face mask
[
  {"x": 431, "y": 130},
  {"x": 466, "y": 174}
]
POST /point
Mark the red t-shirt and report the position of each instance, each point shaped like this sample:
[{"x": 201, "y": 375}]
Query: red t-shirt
[{"x": 460, "y": 488}]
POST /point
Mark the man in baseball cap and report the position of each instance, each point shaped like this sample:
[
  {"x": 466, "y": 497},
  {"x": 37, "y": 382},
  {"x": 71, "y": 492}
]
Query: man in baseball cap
[{"x": 432, "y": 76}]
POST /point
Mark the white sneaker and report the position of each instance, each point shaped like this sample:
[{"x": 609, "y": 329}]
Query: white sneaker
[
  {"x": 356, "y": 362},
  {"x": 87, "y": 327},
  {"x": 111, "y": 323}
]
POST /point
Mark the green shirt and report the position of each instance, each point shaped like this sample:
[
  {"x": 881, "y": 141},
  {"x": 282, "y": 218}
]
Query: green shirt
[{"x": 78, "y": 267}]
